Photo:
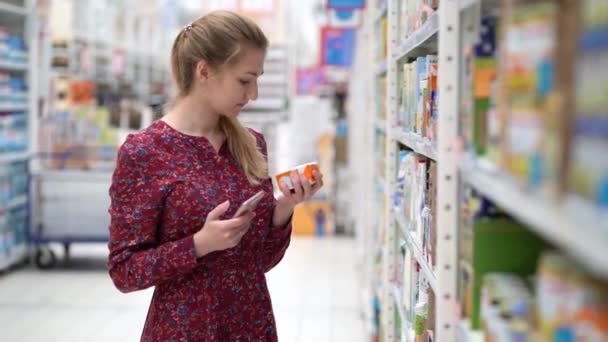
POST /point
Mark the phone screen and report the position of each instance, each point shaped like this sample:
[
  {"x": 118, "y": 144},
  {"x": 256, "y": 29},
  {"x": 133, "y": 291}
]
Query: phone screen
[{"x": 249, "y": 204}]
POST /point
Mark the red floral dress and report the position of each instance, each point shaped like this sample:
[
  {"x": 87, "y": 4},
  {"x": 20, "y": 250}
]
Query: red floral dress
[{"x": 164, "y": 185}]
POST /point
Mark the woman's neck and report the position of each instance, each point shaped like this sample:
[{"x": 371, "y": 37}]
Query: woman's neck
[{"x": 191, "y": 117}]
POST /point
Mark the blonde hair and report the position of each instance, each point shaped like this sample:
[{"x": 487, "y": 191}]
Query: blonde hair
[{"x": 219, "y": 39}]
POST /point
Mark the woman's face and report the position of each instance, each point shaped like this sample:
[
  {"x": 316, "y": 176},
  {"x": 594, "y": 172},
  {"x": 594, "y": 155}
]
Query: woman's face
[{"x": 233, "y": 86}]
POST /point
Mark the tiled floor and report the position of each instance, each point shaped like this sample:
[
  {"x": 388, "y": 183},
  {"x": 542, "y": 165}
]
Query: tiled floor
[{"x": 314, "y": 292}]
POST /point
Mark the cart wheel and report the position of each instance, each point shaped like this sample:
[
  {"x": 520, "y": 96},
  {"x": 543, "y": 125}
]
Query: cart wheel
[{"x": 45, "y": 258}]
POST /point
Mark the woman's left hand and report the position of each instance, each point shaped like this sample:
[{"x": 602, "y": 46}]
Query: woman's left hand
[{"x": 303, "y": 189}]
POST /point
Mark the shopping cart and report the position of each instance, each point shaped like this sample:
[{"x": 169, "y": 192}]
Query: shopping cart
[{"x": 69, "y": 195}]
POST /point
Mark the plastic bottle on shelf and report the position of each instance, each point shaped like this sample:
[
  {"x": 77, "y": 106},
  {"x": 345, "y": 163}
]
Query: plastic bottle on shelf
[
  {"x": 16, "y": 49},
  {"x": 3, "y": 43}
]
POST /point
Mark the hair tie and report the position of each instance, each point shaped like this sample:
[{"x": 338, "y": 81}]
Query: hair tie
[{"x": 188, "y": 27}]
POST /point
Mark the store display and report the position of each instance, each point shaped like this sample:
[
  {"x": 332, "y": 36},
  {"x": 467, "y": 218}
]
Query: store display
[
  {"x": 564, "y": 305},
  {"x": 13, "y": 91},
  {"x": 418, "y": 97},
  {"x": 478, "y": 83},
  {"x": 588, "y": 174},
  {"x": 488, "y": 238},
  {"x": 414, "y": 13},
  {"x": 414, "y": 199},
  {"x": 15, "y": 96},
  {"x": 12, "y": 48}
]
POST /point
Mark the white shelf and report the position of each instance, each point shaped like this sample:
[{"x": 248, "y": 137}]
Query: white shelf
[
  {"x": 13, "y": 108},
  {"x": 9, "y": 157},
  {"x": 465, "y": 4},
  {"x": 381, "y": 126},
  {"x": 12, "y": 66},
  {"x": 415, "y": 249},
  {"x": 12, "y": 9},
  {"x": 417, "y": 143},
  {"x": 382, "y": 10},
  {"x": 575, "y": 226},
  {"x": 399, "y": 304},
  {"x": 382, "y": 68},
  {"x": 422, "y": 38},
  {"x": 465, "y": 334},
  {"x": 406, "y": 330}
]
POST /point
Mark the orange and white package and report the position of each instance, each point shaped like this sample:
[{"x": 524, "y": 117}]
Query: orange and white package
[{"x": 304, "y": 169}]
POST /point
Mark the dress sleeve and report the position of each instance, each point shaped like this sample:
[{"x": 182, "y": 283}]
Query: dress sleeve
[
  {"x": 137, "y": 260},
  {"x": 276, "y": 242}
]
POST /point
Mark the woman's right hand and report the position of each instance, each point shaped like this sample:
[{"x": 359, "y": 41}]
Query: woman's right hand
[{"x": 217, "y": 235}]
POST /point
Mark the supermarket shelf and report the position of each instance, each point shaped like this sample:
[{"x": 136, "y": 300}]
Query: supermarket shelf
[
  {"x": 15, "y": 202},
  {"x": 417, "y": 143},
  {"x": 465, "y": 334},
  {"x": 465, "y": 4},
  {"x": 381, "y": 126},
  {"x": 382, "y": 10},
  {"x": 487, "y": 6},
  {"x": 12, "y": 9},
  {"x": 406, "y": 328},
  {"x": 381, "y": 68},
  {"x": 422, "y": 41},
  {"x": 17, "y": 254},
  {"x": 399, "y": 304},
  {"x": 9, "y": 157},
  {"x": 13, "y": 108},
  {"x": 12, "y": 66},
  {"x": 417, "y": 251},
  {"x": 575, "y": 225}
]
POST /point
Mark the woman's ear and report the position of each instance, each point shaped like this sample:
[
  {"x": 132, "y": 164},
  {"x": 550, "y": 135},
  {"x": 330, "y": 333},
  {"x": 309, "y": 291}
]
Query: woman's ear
[{"x": 202, "y": 72}]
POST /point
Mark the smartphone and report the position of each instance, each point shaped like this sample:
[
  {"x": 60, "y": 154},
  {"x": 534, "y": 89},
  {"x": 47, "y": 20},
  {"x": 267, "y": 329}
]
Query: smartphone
[{"x": 249, "y": 204}]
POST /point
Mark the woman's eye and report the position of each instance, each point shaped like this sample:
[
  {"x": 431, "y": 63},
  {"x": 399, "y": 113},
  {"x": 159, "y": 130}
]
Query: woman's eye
[{"x": 243, "y": 82}]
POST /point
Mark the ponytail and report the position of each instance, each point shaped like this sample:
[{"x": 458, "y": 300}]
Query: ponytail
[{"x": 244, "y": 148}]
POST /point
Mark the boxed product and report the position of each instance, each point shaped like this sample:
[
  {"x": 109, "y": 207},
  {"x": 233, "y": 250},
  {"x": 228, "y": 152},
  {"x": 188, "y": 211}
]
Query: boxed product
[
  {"x": 535, "y": 95},
  {"x": 588, "y": 166},
  {"x": 284, "y": 178}
]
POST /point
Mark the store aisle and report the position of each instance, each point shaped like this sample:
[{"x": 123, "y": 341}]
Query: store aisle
[{"x": 314, "y": 291}]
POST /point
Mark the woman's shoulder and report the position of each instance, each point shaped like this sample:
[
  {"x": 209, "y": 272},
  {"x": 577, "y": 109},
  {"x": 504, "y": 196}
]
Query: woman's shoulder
[
  {"x": 142, "y": 144},
  {"x": 259, "y": 137}
]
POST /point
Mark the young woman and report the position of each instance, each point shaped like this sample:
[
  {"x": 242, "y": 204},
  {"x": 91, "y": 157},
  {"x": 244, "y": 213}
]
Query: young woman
[{"x": 178, "y": 184}]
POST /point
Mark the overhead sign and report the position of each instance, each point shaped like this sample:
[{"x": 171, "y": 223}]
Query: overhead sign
[
  {"x": 345, "y": 4},
  {"x": 337, "y": 46}
]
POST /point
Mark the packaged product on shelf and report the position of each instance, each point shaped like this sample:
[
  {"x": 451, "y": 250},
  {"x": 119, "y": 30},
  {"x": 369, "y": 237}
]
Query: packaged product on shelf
[
  {"x": 507, "y": 308},
  {"x": 430, "y": 235},
  {"x": 421, "y": 84},
  {"x": 429, "y": 332},
  {"x": 410, "y": 281},
  {"x": 419, "y": 198},
  {"x": 561, "y": 303},
  {"x": 381, "y": 96},
  {"x": 570, "y": 303},
  {"x": 383, "y": 39},
  {"x": 402, "y": 179},
  {"x": 5, "y": 244},
  {"x": 488, "y": 240},
  {"x": 16, "y": 49},
  {"x": 3, "y": 43},
  {"x": 418, "y": 97},
  {"x": 482, "y": 65},
  {"x": 431, "y": 118},
  {"x": 407, "y": 97},
  {"x": 421, "y": 311},
  {"x": 533, "y": 102},
  {"x": 588, "y": 166}
]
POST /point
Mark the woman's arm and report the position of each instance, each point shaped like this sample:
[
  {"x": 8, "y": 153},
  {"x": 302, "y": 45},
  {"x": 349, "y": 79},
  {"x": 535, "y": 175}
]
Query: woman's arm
[{"x": 136, "y": 259}]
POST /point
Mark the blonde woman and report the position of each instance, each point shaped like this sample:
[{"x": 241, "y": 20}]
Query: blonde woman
[{"x": 178, "y": 184}]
